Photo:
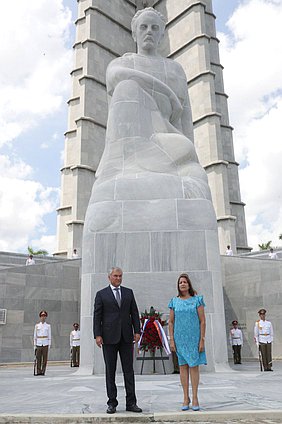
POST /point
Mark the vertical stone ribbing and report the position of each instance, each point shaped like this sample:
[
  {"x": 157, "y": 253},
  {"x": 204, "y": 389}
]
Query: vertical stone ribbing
[
  {"x": 192, "y": 41},
  {"x": 102, "y": 33}
]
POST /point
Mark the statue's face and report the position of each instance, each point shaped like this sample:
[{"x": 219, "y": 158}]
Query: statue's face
[{"x": 149, "y": 32}]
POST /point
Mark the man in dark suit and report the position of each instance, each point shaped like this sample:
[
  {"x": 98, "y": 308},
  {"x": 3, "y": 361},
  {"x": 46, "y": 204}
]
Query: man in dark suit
[{"x": 116, "y": 324}]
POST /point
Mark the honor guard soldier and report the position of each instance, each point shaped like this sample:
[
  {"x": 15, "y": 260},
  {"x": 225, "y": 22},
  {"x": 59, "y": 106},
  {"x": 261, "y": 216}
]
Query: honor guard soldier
[
  {"x": 42, "y": 342},
  {"x": 75, "y": 344},
  {"x": 263, "y": 334},
  {"x": 229, "y": 251},
  {"x": 236, "y": 341},
  {"x": 30, "y": 261}
]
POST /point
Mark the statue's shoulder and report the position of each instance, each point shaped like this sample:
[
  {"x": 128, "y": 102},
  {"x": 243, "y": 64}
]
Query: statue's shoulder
[
  {"x": 124, "y": 59},
  {"x": 127, "y": 57},
  {"x": 174, "y": 65}
]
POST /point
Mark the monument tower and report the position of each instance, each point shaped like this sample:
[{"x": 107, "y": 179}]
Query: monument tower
[{"x": 103, "y": 33}]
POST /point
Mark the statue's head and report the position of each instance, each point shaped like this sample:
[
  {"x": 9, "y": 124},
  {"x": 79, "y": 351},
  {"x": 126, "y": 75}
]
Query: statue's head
[{"x": 148, "y": 27}]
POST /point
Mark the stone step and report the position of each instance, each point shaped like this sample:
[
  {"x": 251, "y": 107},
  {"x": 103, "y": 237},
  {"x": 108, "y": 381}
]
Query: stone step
[{"x": 244, "y": 417}]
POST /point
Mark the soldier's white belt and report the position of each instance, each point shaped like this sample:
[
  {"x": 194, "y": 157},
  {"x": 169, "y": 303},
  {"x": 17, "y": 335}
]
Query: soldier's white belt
[
  {"x": 75, "y": 340},
  {"x": 42, "y": 337},
  {"x": 265, "y": 334},
  {"x": 236, "y": 337}
]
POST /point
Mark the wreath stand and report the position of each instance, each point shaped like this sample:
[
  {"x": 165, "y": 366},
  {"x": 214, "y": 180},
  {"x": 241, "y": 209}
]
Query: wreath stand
[{"x": 153, "y": 358}]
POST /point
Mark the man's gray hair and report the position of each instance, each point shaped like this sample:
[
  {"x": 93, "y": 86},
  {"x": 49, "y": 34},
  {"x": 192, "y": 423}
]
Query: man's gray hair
[
  {"x": 139, "y": 13},
  {"x": 114, "y": 268}
]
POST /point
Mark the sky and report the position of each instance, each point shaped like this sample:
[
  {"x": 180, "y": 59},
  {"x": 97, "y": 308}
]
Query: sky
[{"x": 36, "y": 58}]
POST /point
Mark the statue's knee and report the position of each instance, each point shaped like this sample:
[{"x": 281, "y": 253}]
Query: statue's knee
[{"x": 126, "y": 90}]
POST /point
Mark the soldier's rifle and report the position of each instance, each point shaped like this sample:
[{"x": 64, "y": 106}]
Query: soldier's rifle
[
  {"x": 260, "y": 357},
  {"x": 34, "y": 362}
]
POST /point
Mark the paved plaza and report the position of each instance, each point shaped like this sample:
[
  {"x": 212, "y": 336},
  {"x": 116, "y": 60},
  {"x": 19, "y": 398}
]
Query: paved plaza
[{"x": 239, "y": 394}]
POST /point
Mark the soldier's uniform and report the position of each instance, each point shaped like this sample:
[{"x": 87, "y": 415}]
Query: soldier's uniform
[
  {"x": 42, "y": 341},
  {"x": 263, "y": 334},
  {"x": 236, "y": 341},
  {"x": 75, "y": 344}
]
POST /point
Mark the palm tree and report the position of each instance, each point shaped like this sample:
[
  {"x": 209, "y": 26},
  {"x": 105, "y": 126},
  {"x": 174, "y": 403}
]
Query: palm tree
[
  {"x": 36, "y": 252},
  {"x": 265, "y": 246}
]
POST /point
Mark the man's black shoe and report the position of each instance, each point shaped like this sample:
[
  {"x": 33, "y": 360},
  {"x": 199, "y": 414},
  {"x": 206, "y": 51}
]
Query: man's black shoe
[
  {"x": 133, "y": 408},
  {"x": 111, "y": 409}
]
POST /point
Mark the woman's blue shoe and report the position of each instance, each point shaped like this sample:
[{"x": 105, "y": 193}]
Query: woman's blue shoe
[
  {"x": 195, "y": 408},
  {"x": 185, "y": 408}
]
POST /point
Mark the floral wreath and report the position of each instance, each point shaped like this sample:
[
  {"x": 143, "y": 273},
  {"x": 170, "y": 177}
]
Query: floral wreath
[{"x": 152, "y": 335}]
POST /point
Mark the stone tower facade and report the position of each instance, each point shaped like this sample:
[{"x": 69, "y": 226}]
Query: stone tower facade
[{"x": 102, "y": 34}]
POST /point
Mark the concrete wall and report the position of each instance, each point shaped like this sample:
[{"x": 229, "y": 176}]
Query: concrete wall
[
  {"x": 10, "y": 259},
  {"x": 26, "y": 290},
  {"x": 248, "y": 285}
]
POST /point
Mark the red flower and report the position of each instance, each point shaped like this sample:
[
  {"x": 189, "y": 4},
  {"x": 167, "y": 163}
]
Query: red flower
[{"x": 150, "y": 339}]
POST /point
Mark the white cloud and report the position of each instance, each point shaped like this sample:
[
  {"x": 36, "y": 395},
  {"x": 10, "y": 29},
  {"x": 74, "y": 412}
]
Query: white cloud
[
  {"x": 23, "y": 205},
  {"x": 51, "y": 142},
  {"x": 15, "y": 168},
  {"x": 34, "y": 64},
  {"x": 47, "y": 242},
  {"x": 252, "y": 59},
  {"x": 34, "y": 68},
  {"x": 55, "y": 136},
  {"x": 44, "y": 146}
]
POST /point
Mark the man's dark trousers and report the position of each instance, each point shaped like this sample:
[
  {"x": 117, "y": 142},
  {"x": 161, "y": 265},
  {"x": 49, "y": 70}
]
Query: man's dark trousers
[
  {"x": 125, "y": 351},
  {"x": 266, "y": 354},
  {"x": 117, "y": 324},
  {"x": 237, "y": 354}
]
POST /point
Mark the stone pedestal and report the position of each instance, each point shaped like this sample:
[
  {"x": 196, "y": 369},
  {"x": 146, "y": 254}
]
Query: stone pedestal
[{"x": 153, "y": 241}]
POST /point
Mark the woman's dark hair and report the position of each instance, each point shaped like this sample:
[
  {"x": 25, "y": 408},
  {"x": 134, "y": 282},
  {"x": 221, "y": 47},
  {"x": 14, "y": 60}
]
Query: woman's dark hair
[{"x": 191, "y": 291}]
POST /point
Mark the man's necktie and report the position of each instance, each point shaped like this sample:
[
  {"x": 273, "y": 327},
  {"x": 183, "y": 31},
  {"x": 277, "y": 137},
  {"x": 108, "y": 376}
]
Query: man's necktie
[{"x": 118, "y": 298}]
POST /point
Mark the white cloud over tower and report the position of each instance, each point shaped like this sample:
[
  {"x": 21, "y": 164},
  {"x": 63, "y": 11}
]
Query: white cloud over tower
[
  {"x": 34, "y": 68},
  {"x": 252, "y": 60}
]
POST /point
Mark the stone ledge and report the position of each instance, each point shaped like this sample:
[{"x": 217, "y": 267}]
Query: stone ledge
[
  {"x": 176, "y": 417},
  {"x": 25, "y": 364}
]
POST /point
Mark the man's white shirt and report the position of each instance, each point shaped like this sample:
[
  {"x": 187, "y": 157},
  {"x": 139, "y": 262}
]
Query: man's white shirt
[
  {"x": 75, "y": 338},
  {"x": 114, "y": 291},
  {"x": 42, "y": 334},
  {"x": 263, "y": 331},
  {"x": 236, "y": 337},
  {"x": 273, "y": 255}
]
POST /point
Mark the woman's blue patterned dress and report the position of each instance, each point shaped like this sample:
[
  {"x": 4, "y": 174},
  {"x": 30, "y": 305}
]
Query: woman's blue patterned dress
[{"x": 187, "y": 330}]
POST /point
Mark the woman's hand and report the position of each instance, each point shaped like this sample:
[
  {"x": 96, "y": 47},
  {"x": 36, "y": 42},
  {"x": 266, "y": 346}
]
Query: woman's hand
[
  {"x": 202, "y": 345},
  {"x": 172, "y": 346}
]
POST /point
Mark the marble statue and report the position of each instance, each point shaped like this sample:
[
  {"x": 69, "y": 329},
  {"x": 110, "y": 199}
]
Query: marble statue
[{"x": 149, "y": 131}]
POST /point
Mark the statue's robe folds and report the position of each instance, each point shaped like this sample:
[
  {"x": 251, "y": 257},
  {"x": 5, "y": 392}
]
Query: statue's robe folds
[{"x": 149, "y": 153}]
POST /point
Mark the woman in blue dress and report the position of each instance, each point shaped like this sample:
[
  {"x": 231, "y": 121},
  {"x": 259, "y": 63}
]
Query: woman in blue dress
[{"x": 187, "y": 326}]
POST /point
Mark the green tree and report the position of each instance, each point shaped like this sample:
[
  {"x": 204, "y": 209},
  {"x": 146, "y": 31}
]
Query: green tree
[
  {"x": 36, "y": 252},
  {"x": 280, "y": 236},
  {"x": 265, "y": 246}
]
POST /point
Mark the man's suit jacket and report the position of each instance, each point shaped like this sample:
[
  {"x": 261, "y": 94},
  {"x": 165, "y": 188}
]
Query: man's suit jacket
[{"x": 113, "y": 322}]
